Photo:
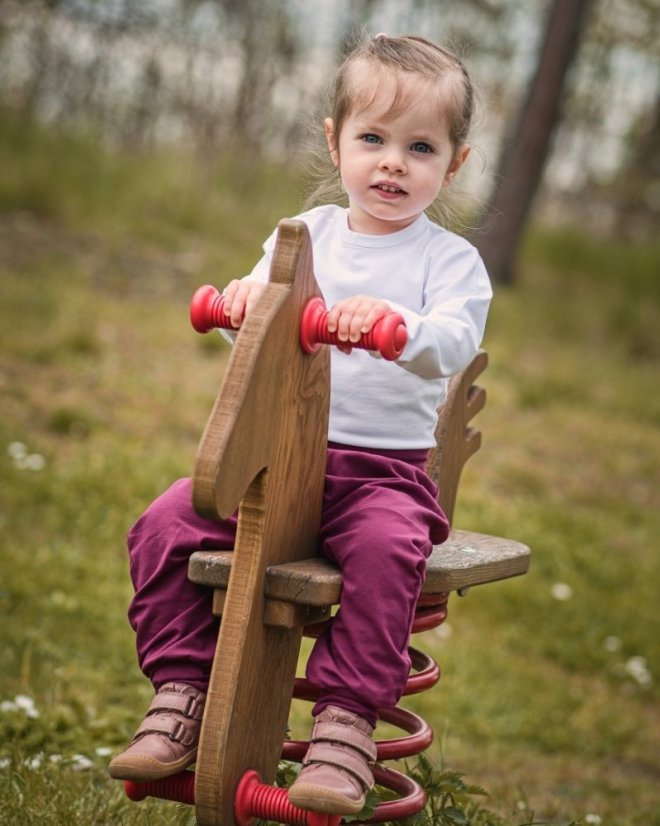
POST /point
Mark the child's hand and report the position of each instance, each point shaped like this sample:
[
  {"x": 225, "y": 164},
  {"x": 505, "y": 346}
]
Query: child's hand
[
  {"x": 240, "y": 296},
  {"x": 353, "y": 317}
]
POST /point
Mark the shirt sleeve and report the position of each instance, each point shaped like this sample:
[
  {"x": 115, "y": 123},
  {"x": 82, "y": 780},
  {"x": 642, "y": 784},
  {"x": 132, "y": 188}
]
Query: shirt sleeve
[
  {"x": 444, "y": 337},
  {"x": 261, "y": 270}
]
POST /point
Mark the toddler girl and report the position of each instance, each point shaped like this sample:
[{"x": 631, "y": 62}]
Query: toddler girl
[{"x": 397, "y": 135}]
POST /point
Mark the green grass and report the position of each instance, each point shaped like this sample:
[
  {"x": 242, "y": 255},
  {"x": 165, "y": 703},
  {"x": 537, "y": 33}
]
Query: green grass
[{"x": 104, "y": 392}]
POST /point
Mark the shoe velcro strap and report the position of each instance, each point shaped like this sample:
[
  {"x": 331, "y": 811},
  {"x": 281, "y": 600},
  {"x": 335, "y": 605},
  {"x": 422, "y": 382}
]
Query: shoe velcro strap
[
  {"x": 186, "y": 704},
  {"x": 342, "y": 759},
  {"x": 174, "y": 729},
  {"x": 347, "y": 735}
]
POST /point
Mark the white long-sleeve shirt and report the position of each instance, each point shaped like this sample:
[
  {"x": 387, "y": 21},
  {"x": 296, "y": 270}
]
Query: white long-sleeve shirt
[{"x": 438, "y": 283}]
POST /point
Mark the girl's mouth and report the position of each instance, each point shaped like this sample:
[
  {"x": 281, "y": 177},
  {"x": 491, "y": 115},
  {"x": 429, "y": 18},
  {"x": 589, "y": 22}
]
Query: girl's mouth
[{"x": 389, "y": 190}]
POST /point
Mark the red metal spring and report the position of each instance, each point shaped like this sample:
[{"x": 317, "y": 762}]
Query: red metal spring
[{"x": 412, "y": 800}]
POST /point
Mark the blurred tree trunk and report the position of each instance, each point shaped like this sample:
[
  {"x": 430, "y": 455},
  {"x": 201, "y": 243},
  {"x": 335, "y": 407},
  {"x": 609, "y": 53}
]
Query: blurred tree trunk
[
  {"x": 269, "y": 50},
  {"x": 637, "y": 206},
  {"x": 499, "y": 228}
]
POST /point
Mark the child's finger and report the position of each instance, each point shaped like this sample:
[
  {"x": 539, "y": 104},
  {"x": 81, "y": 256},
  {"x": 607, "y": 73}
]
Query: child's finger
[
  {"x": 374, "y": 314},
  {"x": 239, "y": 297},
  {"x": 256, "y": 288},
  {"x": 344, "y": 325}
]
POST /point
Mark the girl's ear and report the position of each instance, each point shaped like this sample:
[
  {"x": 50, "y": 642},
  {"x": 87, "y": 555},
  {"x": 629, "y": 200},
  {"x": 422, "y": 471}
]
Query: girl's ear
[
  {"x": 329, "y": 127},
  {"x": 457, "y": 162}
]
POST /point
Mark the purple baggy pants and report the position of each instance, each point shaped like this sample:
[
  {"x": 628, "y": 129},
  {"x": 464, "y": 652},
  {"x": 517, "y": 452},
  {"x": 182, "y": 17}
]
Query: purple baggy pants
[{"x": 380, "y": 520}]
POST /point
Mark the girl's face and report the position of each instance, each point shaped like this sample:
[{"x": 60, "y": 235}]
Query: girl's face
[{"x": 393, "y": 160}]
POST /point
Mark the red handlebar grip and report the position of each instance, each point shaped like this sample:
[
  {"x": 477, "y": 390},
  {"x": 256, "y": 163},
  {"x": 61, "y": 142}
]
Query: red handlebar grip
[
  {"x": 206, "y": 310},
  {"x": 178, "y": 787},
  {"x": 254, "y": 799},
  {"x": 388, "y": 335}
]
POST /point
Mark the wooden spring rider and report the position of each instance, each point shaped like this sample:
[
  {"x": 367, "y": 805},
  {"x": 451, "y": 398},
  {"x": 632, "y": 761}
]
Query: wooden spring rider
[{"x": 263, "y": 451}]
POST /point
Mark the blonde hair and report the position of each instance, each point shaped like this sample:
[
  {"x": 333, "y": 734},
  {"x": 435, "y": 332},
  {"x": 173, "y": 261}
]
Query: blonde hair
[{"x": 411, "y": 55}]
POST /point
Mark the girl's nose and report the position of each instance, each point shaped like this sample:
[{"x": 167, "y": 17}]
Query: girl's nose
[{"x": 393, "y": 161}]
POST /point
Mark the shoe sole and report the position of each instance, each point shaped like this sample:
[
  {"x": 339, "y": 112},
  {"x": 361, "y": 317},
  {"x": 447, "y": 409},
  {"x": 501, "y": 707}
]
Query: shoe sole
[
  {"x": 148, "y": 769},
  {"x": 317, "y": 799}
]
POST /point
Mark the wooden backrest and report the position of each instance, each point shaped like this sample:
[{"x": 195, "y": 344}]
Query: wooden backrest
[{"x": 455, "y": 439}]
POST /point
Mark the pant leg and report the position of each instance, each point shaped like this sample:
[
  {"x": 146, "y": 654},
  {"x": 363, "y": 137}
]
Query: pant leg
[
  {"x": 380, "y": 521},
  {"x": 175, "y": 629}
]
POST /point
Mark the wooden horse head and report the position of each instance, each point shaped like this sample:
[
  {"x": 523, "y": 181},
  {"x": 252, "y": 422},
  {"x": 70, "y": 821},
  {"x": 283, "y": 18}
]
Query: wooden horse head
[{"x": 264, "y": 447}]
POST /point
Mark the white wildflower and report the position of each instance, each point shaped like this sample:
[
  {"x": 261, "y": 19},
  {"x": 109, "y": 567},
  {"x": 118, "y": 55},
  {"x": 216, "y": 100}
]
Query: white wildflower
[
  {"x": 26, "y": 703},
  {"x": 17, "y": 450},
  {"x": 637, "y": 668},
  {"x": 35, "y": 461},
  {"x": 443, "y": 631},
  {"x": 24, "y": 460},
  {"x": 56, "y": 758},
  {"x": 103, "y": 751},
  {"x": 561, "y": 591},
  {"x": 35, "y": 762},
  {"x": 81, "y": 763},
  {"x": 593, "y": 819},
  {"x": 612, "y": 644},
  {"x": 7, "y": 705},
  {"x": 5, "y": 763},
  {"x": 65, "y": 601}
]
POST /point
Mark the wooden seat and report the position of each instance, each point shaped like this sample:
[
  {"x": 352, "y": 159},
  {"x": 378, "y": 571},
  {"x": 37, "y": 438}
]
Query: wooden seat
[{"x": 466, "y": 559}]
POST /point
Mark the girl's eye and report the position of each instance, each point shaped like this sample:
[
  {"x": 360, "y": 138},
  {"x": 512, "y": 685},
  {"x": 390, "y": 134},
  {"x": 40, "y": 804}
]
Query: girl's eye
[
  {"x": 370, "y": 138},
  {"x": 422, "y": 147}
]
